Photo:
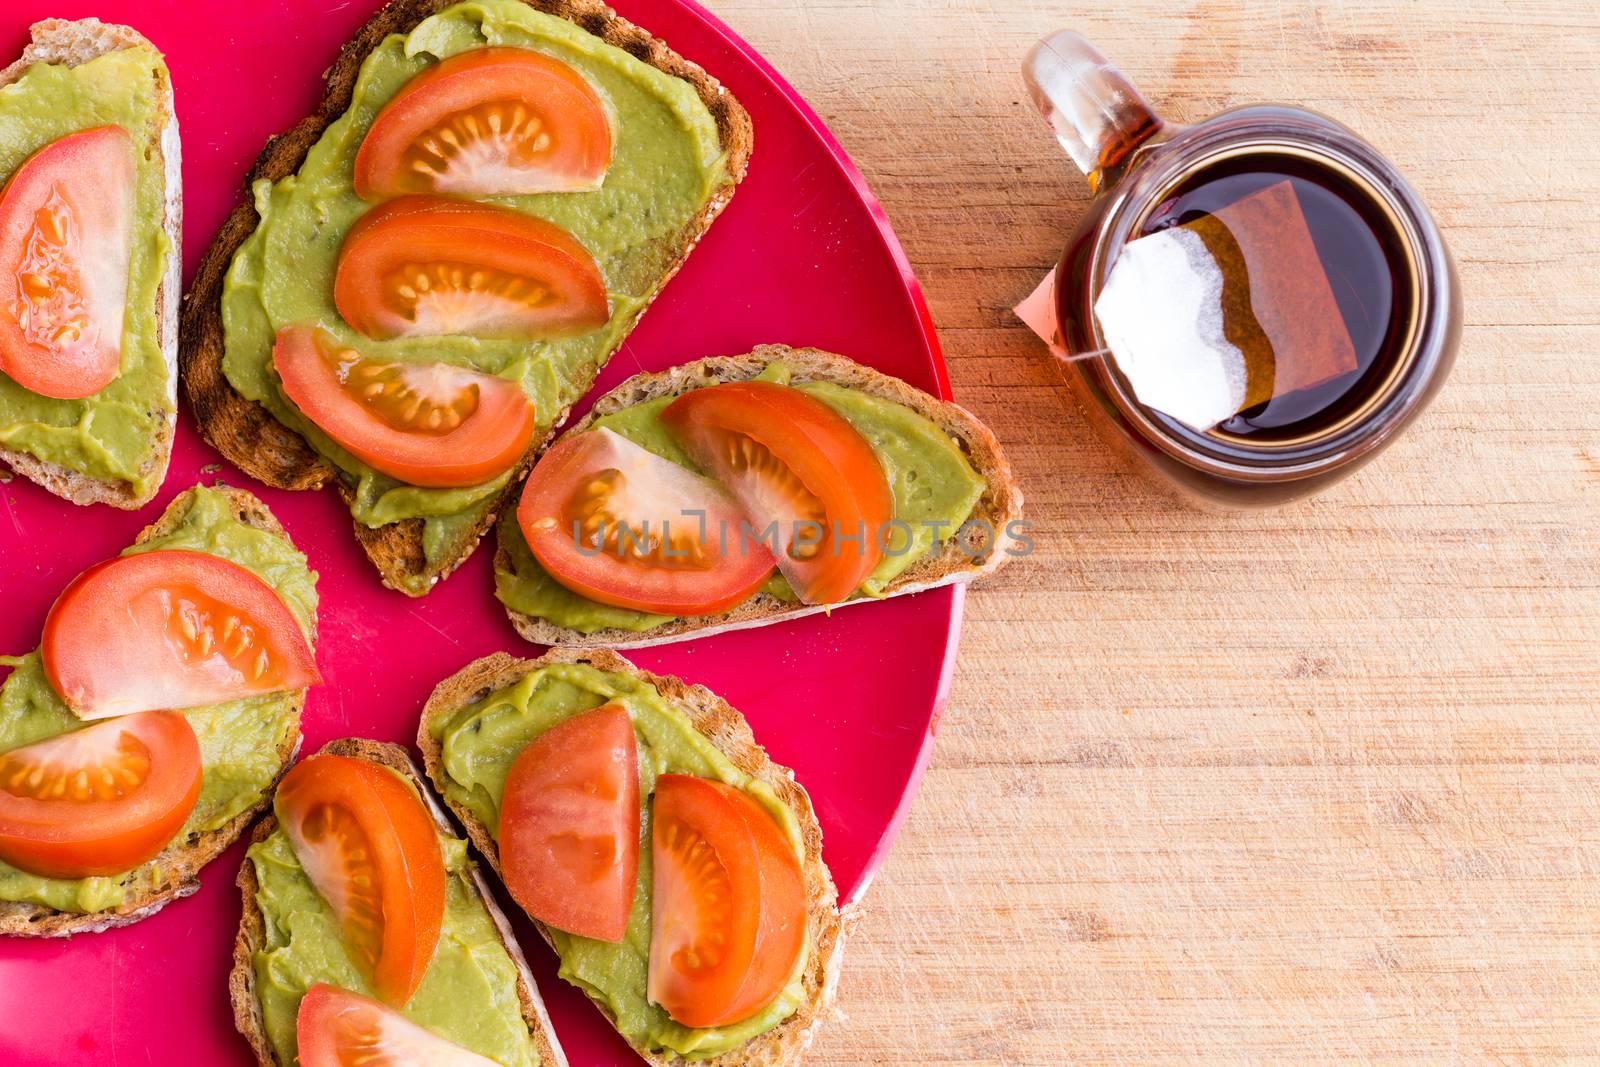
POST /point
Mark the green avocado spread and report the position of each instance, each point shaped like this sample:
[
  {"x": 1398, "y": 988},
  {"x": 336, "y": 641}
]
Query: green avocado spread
[
  {"x": 239, "y": 740},
  {"x": 479, "y": 743},
  {"x": 468, "y": 994},
  {"x": 113, "y": 435},
  {"x": 933, "y": 485},
  {"x": 666, "y": 165}
]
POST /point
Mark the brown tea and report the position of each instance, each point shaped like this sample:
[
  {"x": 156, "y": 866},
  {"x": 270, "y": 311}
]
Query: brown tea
[{"x": 1364, "y": 260}]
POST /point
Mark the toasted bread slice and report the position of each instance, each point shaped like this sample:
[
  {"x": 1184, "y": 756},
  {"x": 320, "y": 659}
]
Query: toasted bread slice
[
  {"x": 73, "y": 44},
  {"x": 252, "y": 926},
  {"x": 959, "y": 560},
  {"x": 827, "y": 926},
  {"x": 182, "y": 859},
  {"x": 264, "y": 448}
]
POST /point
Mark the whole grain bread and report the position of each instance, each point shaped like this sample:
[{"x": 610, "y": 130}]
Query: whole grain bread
[
  {"x": 247, "y": 1014},
  {"x": 72, "y": 44},
  {"x": 959, "y": 559},
  {"x": 266, "y": 449},
  {"x": 181, "y": 860},
  {"x": 826, "y": 926}
]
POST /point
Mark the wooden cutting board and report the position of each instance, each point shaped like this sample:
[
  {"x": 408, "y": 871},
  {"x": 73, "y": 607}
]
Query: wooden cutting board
[{"x": 1313, "y": 785}]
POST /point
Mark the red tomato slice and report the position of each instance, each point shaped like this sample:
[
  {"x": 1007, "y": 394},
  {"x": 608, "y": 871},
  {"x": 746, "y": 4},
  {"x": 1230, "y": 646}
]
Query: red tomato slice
[
  {"x": 428, "y": 424},
  {"x": 569, "y": 824},
  {"x": 170, "y": 629},
  {"x": 781, "y": 936},
  {"x": 338, "y": 1028},
  {"x": 492, "y": 121},
  {"x": 372, "y": 851},
  {"x": 66, "y": 225},
  {"x": 423, "y": 266},
  {"x": 620, "y": 525},
  {"x": 100, "y": 800},
  {"x": 728, "y": 914},
  {"x": 793, "y": 461}
]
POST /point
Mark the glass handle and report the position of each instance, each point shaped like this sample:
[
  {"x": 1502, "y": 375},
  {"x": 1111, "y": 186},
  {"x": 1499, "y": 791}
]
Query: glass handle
[{"x": 1097, "y": 115}]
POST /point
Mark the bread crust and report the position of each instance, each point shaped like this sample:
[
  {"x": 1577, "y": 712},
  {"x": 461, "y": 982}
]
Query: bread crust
[
  {"x": 247, "y": 1015},
  {"x": 73, "y": 43},
  {"x": 183, "y": 859},
  {"x": 267, "y": 450},
  {"x": 827, "y": 927},
  {"x": 960, "y": 560}
]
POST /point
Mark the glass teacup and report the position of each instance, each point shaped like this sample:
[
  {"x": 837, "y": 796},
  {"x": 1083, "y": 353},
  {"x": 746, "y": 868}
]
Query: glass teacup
[{"x": 1396, "y": 284}]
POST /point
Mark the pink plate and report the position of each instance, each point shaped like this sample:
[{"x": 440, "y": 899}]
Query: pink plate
[{"x": 803, "y": 255}]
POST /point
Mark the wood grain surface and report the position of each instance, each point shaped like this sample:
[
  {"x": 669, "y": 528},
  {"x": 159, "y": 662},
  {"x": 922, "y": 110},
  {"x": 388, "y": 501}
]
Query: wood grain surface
[{"x": 1312, "y": 785}]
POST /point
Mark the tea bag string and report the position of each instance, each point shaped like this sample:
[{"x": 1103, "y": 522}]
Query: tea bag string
[{"x": 1079, "y": 357}]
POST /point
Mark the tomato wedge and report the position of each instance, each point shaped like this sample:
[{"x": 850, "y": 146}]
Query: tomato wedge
[
  {"x": 620, "y": 525},
  {"x": 424, "y": 266},
  {"x": 66, "y": 226},
  {"x": 100, "y": 800},
  {"x": 489, "y": 122},
  {"x": 429, "y": 424},
  {"x": 793, "y": 461},
  {"x": 728, "y": 914},
  {"x": 338, "y": 1028},
  {"x": 372, "y": 851},
  {"x": 569, "y": 824},
  {"x": 170, "y": 629}
]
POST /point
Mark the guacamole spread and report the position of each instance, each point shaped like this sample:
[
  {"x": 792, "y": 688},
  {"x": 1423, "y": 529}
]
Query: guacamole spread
[
  {"x": 666, "y": 164},
  {"x": 113, "y": 435},
  {"x": 933, "y": 485},
  {"x": 238, "y": 740},
  {"x": 468, "y": 994},
  {"x": 480, "y": 741}
]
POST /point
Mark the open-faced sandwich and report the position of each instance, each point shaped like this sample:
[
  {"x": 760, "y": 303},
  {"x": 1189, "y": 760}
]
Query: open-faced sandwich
[
  {"x": 147, "y": 730},
  {"x": 90, "y": 195},
  {"x": 674, "y": 868},
  {"x": 438, "y": 262},
  {"x": 738, "y": 491},
  {"x": 368, "y": 936}
]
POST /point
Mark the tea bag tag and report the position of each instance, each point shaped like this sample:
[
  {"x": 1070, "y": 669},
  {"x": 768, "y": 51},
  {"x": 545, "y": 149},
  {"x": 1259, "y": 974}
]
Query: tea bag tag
[{"x": 1214, "y": 316}]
